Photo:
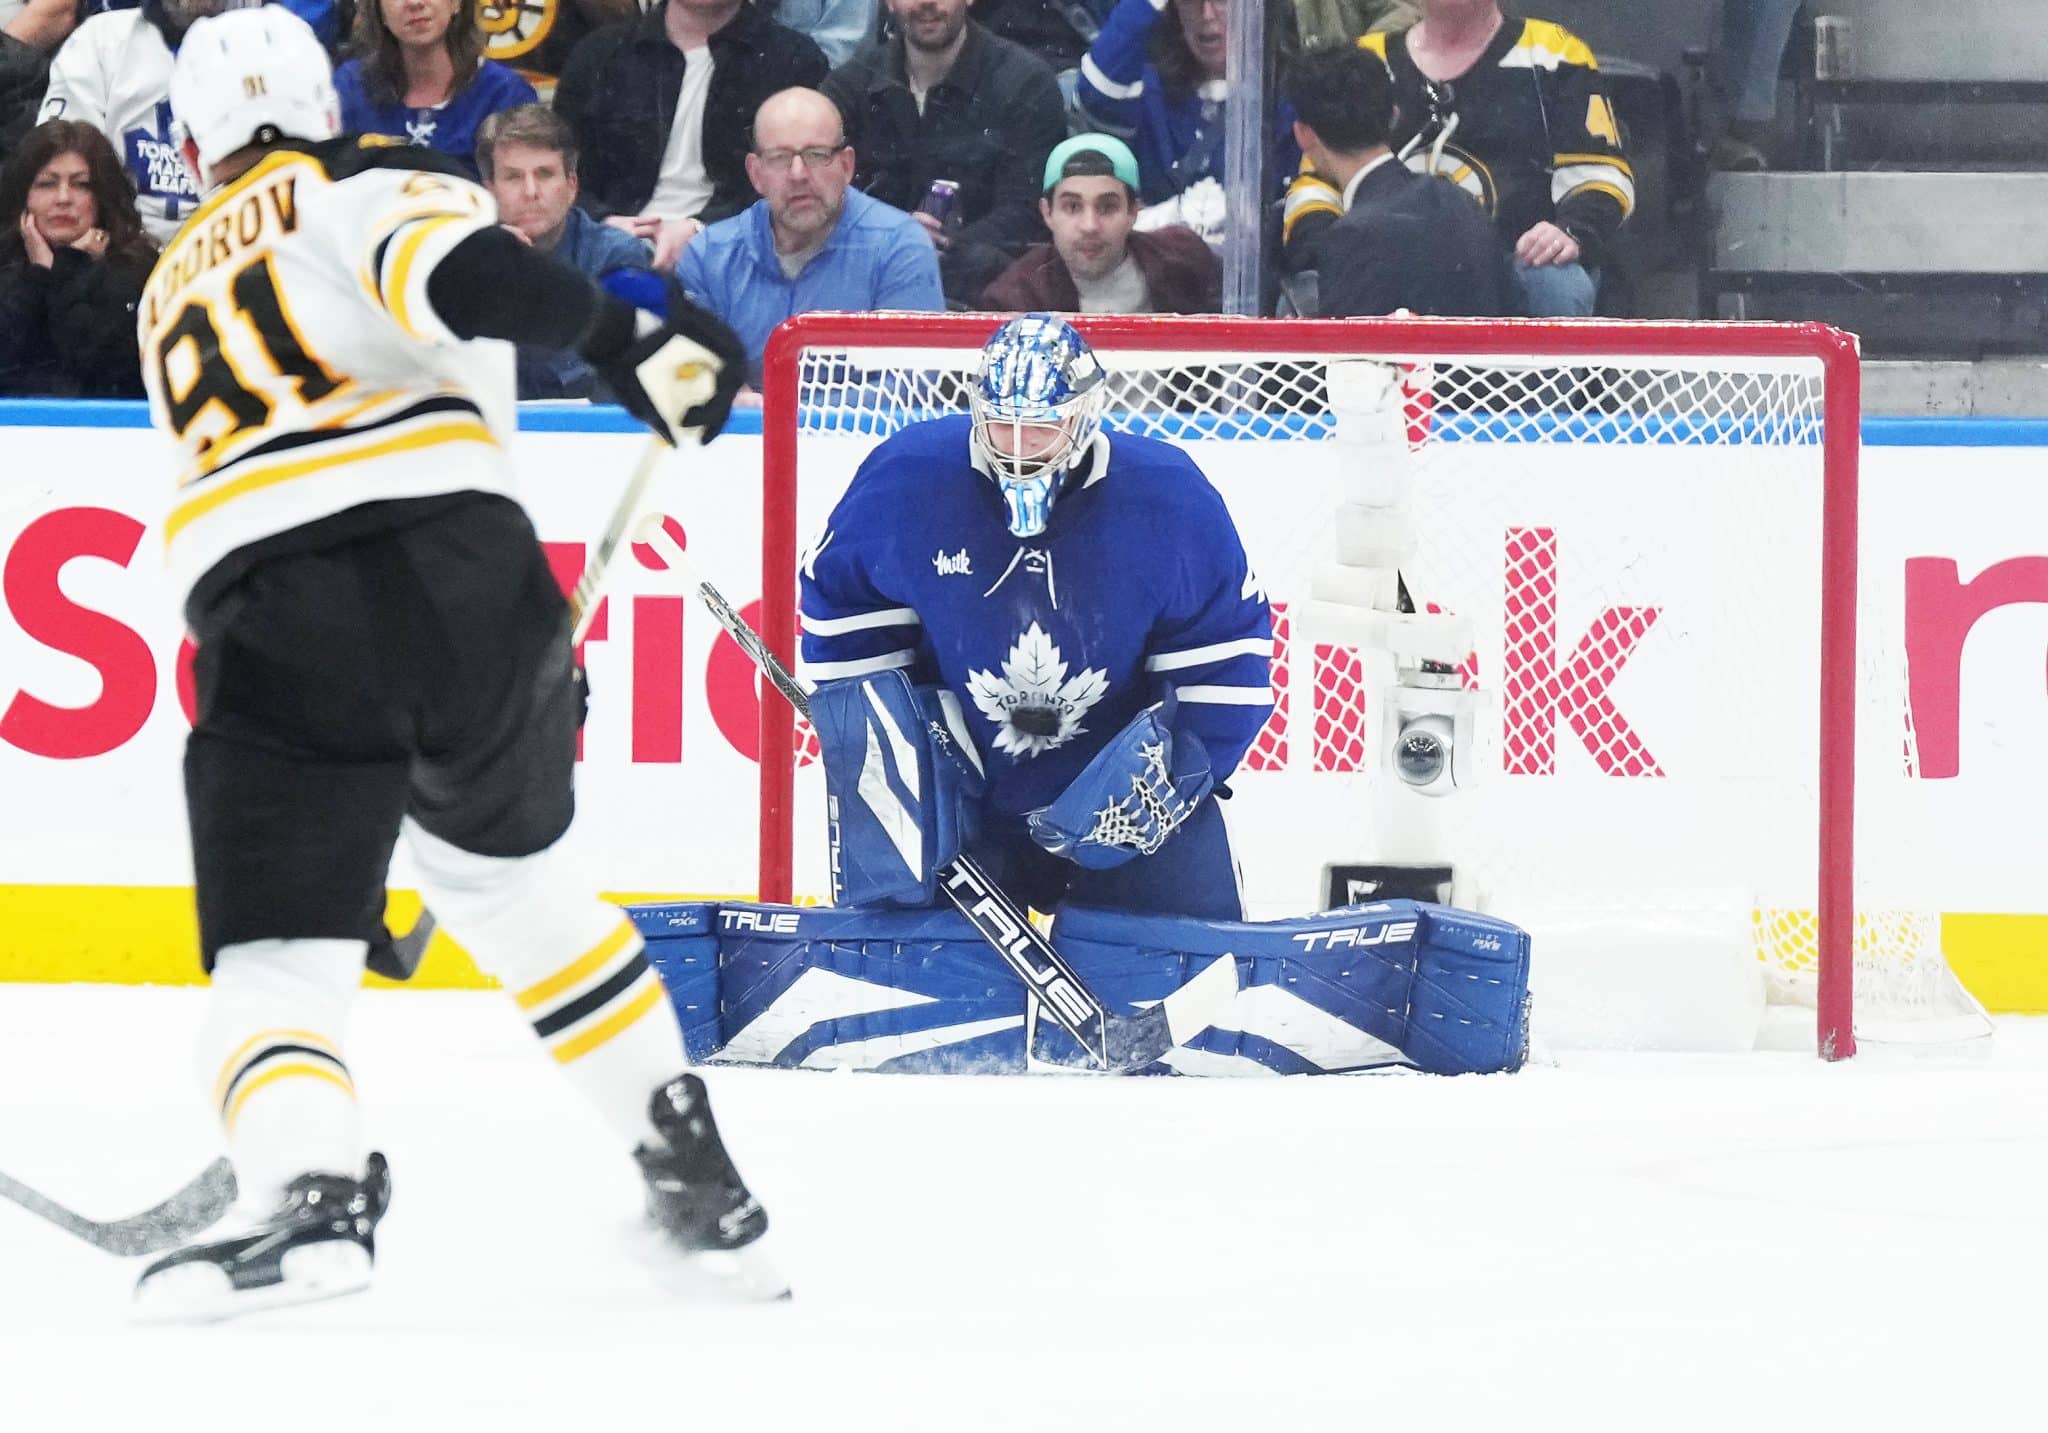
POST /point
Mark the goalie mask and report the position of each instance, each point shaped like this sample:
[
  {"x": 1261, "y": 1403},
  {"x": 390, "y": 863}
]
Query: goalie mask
[{"x": 1037, "y": 401}]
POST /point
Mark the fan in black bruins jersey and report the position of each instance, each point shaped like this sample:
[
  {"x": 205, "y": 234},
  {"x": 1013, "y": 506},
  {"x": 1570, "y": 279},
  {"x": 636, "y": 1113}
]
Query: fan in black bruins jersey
[
  {"x": 1514, "y": 111},
  {"x": 383, "y": 651}
]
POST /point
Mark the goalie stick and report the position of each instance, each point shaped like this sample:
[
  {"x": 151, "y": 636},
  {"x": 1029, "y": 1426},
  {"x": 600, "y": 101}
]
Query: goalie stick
[
  {"x": 1116, "y": 1042},
  {"x": 196, "y": 1207}
]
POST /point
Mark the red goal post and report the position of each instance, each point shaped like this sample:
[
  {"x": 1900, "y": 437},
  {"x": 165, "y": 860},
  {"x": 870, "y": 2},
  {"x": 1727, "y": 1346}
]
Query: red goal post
[{"x": 1637, "y": 391}]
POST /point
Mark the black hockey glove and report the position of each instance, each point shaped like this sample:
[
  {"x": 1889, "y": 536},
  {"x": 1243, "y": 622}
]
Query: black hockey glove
[{"x": 671, "y": 364}]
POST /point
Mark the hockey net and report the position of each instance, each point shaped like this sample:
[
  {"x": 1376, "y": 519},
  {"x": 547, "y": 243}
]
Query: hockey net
[{"x": 1687, "y": 720}]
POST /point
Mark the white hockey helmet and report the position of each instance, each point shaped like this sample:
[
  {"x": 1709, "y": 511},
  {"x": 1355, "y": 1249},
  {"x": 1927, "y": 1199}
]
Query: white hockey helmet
[{"x": 245, "y": 72}]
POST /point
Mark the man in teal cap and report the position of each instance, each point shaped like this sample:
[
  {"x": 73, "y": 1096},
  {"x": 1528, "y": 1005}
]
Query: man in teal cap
[{"x": 1099, "y": 260}]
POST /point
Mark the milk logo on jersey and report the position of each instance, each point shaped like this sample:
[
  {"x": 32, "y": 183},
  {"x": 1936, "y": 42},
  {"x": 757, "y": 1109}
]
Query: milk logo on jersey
[
  {"x": 154, "y": 161},
  {"x": 1034, "y": 703},
  {"x": 952, "y": 564}
]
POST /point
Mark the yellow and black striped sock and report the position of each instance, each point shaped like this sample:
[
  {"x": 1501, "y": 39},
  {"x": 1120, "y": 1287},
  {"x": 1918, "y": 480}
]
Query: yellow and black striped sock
[
  {"x": 272, "y": 1058},
  {"x": 606, "y": 1018}
]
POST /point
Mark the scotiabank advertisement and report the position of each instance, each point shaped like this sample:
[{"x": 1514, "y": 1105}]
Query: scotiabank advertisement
[{"x": 95, "y": 691}]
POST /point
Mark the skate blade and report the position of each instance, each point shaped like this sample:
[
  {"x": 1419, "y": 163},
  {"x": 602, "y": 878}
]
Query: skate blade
[
  {"x": 203, "y": 1293},
  {"x": 747, "y": 1275}
]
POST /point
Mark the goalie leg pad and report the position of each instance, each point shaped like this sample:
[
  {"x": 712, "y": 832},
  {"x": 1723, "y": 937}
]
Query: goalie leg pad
[
  {"x": 901, "y": 780},
  {"x": 1446, "y": 989}
]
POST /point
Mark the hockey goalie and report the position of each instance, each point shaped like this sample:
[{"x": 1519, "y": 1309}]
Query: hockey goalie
[{"x": 1039, "y": 642}]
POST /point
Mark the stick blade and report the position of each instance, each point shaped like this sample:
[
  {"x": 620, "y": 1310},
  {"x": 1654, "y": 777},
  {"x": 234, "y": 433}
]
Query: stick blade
[{"x": 193, "y": 1209}]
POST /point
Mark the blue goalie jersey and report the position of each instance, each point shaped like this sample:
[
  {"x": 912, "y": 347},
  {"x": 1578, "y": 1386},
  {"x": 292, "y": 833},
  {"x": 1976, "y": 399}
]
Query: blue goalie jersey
[{"x": 1138, "y": 585}]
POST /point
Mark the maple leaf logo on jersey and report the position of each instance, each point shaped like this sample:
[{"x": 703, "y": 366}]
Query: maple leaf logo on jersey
[{"x": 1035, "y": 705}]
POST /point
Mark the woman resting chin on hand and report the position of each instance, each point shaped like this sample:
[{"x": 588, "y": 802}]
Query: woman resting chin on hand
[{"x": 73, "y": 261}]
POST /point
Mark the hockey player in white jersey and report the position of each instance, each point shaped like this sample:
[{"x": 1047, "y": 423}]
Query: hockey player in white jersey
[
  {"x": 1081, "y": 603},
  {"x": 382, "y": 650}
]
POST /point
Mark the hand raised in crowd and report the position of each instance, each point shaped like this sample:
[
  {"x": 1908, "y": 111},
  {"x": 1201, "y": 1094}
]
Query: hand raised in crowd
[
  {"x": 39, "y": 251},
  {"x": 92, "y": 243},
  {"x": 1546, "y": 244},
  {"x": 670, "y": 239},
  {"x": 640, "y": 226}
]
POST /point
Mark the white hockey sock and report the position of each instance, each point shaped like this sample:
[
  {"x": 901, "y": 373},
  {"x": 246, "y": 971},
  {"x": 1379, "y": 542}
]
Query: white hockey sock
[
  {"x": 574, "y": 965},
  {"x": 605, "y": 1017},
  {"x": 270, "y": 1057}
]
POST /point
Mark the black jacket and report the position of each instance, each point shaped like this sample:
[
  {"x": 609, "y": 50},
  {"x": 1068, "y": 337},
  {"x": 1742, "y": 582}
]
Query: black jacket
[
  {"x": 24, "y": 75},
  {"x": 619, "y": 92},
  {"x": 987, "y": 126},
  {"x": 1057, "y": 31},
  {"x": 1415, "y": 242},
  {"x": 68, "y": 331}
]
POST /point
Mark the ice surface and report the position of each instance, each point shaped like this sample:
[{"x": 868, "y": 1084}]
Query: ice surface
[{"x": 1640, "y": 1242}]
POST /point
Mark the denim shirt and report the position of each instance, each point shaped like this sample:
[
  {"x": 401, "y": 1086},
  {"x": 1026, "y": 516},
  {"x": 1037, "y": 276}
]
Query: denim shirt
[{"x": 596, "y": 248}]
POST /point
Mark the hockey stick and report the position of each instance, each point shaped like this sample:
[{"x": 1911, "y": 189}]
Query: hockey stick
[
  {"x": 1116, "y": 1042},
  {"x": 400, "y": 956},
  {"x": 194, "y": 1208}
]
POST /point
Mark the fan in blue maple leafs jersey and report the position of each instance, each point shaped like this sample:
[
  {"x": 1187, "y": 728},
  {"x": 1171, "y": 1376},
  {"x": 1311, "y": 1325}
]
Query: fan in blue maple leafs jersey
[{"x": 1085, "y": 599}]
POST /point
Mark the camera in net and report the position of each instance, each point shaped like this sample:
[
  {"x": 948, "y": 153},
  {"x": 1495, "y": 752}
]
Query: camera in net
[{"x": 1422, "y": 755}]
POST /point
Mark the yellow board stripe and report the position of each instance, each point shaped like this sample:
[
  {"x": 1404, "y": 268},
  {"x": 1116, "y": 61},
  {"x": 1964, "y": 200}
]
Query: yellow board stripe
[
  {"x": 611, "y": 1025},
  {"x": 585, "y": 966},
  {"x": 316, "y": 1072},
  {"x": 466, "y": 430},
  {"x": 233, "y": 1067}
]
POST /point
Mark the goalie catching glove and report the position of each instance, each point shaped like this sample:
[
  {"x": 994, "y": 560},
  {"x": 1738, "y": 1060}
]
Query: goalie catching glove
[
  {"x": 1131, "y": 797},
  {"x": 671, "y": 364}
]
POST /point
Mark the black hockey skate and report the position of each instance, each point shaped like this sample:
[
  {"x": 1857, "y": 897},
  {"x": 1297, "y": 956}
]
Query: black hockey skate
[
  {"x": 318, "y": 1244},
  {"x": 698, "y": 1201}
]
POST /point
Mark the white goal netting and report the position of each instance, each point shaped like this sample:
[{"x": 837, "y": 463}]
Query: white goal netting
[{"x": 1638, "y": 543}]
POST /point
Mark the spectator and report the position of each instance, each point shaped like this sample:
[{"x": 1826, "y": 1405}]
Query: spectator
[
  {"x": 662, "y": 106},
  {"x": 1096, "y": 263},
  {"x": 527, "y": 157},
  {"x": 536, "y": 37},
  {"x": 73, "y": 261},
  {"x": 1325, "y": 22},
  {"x": 1057, "y": 31},
  {"x": 24, "y": 73},
  {"x": 1513, "y": 110},
  {"x": 1404, "y": 240},
  {"x": 42, "y": 25},
  {"x": 839, "y": 26},
  {"x": 1743, "y": 70},
  {"x": 325, "y": 16},
  {"x": 807, "y": 243},
  {"x": 947, "y": 101},
  {"x": 114, "y": 74},
  {"x": 1155, "y": 76},
  {"x": 419, "y": 75}
]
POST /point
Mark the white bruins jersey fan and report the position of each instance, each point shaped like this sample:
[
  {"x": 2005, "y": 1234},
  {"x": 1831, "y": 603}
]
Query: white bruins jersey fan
[{"x": 288, "y": 344}]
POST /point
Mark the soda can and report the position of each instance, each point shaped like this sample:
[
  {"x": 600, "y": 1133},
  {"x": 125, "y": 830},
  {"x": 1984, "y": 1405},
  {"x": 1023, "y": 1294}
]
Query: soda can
[{"x": 940, "y": 199}]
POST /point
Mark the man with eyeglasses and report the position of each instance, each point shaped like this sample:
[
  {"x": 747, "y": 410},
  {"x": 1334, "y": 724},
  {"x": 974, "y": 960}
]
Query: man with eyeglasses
[{"x": 808, "y": 243}]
